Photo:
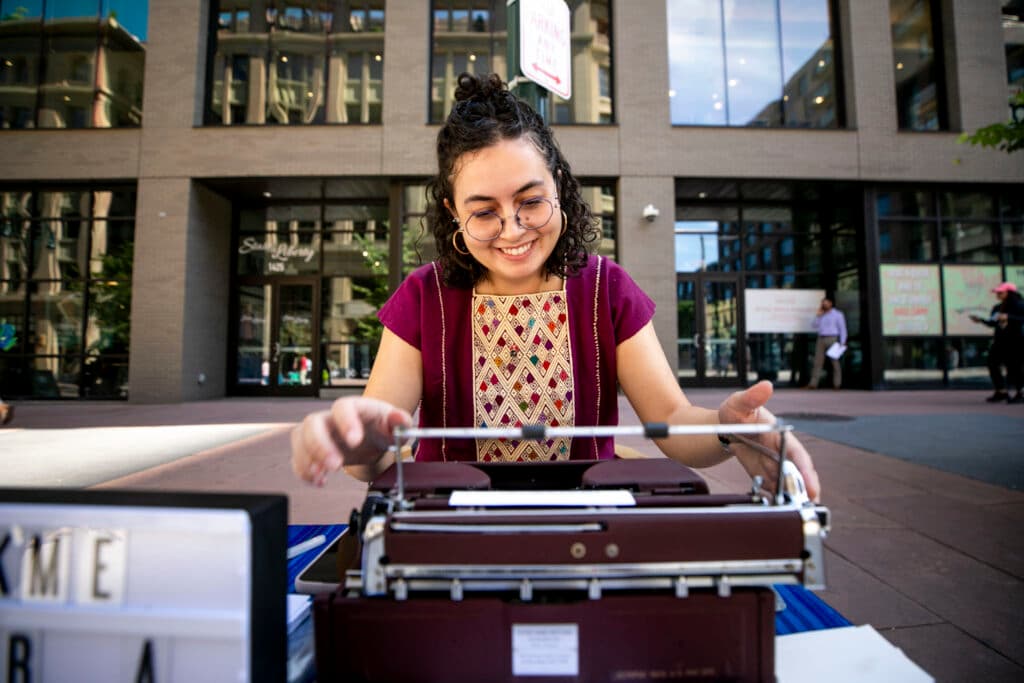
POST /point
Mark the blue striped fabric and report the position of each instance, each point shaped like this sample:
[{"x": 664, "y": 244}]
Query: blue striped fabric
[
  {"x": 804, "y": 611},
  {"x": 297, "y": 533}
]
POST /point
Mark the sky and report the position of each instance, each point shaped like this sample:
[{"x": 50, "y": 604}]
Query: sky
[{"x": 131, "y": 14}]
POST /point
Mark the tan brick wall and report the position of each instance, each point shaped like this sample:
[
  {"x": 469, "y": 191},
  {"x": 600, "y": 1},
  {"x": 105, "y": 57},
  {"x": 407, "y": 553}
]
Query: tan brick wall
[{"x": 158, "y": 287}]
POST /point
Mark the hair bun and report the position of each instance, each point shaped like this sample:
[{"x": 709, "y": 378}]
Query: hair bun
[{"x": 484, "y": 87}]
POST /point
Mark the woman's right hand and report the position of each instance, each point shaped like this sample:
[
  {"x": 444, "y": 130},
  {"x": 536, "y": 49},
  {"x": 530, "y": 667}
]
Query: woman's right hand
[{"x": 356, "y": 431}]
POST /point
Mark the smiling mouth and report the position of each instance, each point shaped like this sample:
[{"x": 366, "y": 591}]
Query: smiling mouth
[{"x": 517, "y": 251}]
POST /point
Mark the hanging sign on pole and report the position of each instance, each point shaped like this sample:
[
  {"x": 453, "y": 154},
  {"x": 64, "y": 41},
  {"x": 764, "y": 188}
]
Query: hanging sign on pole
[{"x": 545, "y": 54}]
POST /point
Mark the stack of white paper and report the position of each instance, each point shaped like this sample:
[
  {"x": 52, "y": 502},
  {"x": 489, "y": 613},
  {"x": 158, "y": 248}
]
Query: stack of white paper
[
  {"x": 841, "y": 655},
  {"x": 835, "y": 351}
]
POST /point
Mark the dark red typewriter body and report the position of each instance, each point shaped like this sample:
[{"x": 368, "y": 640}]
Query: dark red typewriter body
[{"x": 673, "y": 585}]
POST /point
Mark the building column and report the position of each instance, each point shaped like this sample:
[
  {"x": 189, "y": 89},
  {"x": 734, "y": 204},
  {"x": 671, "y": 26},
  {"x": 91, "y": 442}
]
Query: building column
[
  {"x": 180, "y": 297},
  {"x": 647, "y": 250}
]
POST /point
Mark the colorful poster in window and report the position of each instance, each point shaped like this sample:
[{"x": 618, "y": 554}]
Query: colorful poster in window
[
  {"x": 910, "y": 300},
  {"x": 967, "y": 291}
]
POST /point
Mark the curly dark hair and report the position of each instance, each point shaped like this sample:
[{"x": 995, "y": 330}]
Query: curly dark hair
[{"x": 484, "y": 113}]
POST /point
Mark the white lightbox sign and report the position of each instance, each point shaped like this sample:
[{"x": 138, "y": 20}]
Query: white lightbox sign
[
  {"x": 142, "y": 586},
  {"x": 781, "y": 310}
]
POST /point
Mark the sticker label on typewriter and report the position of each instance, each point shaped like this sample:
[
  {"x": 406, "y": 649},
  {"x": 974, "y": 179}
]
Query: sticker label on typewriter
[{"x": 545, "y": 650}]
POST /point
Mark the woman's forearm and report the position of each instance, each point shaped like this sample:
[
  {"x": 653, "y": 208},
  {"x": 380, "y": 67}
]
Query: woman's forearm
[{"x": 702, "y": 450}]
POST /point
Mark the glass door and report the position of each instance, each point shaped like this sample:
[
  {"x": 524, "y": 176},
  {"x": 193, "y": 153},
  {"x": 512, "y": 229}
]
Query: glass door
[
  {"x": 276, "y": 330},
  {"x": 711, "y": 352}
]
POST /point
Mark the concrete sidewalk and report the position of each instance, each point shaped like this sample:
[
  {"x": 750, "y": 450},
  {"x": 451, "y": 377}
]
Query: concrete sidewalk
[{"x": 926, "y": 543}]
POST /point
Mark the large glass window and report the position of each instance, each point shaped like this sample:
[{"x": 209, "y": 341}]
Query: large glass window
[
  {"x": 920, "y": 79},
  {"x": 79, "y": 64},
  {"x": 65, "y": 288},
  {"x": 753, "y": 63},
  {"x": 317, "y": 263},
  {"x": 294, "y": 62},
  {"x": 942, "y": 253},
  {"x": 471, "y": 36},
  {"x": 1013, "y": 37},
  {"x": 768, "y": 235},
  {"x": 356, "y": 261}
]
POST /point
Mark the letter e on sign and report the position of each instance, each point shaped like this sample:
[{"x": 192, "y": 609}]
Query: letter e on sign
[{"x": 100, "y": 560}]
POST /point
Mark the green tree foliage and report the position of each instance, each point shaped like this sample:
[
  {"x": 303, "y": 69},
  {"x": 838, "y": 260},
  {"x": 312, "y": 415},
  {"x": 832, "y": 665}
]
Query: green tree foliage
[
  {"x": 373, "y": 288},
  {"x": 17, "y": 13},
  {"x": 112, "y": 301},
  {"x": 1007, "y": 137}
]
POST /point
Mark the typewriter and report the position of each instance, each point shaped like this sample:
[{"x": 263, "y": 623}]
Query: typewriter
[{"x": 612, "y": 570}]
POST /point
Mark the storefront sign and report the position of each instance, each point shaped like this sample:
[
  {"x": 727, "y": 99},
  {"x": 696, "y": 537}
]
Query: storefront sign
[
  {"x": 277, "y": 253},
  {"x": 967, "y": 291},
  {"x": 133, "y": 586},
  {"x": 910, "y": 300},
  {"x": 781, "y": 310}
]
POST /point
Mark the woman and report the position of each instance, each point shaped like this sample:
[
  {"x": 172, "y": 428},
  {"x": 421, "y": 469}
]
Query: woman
[{"x": 515, "y": 323}]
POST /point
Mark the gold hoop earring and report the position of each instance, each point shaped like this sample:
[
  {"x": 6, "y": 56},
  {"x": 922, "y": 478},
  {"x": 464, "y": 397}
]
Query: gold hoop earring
[{"x": 455, "y": 244}]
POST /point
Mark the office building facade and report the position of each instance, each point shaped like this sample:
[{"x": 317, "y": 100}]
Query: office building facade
[{"x": 205, "y": 198}]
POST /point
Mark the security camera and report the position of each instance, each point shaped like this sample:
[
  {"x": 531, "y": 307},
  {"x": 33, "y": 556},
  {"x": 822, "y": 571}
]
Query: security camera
[{"x": 651, "y": 212}]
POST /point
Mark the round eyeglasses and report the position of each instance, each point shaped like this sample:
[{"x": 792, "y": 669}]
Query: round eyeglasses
[{"x": 532, "y": 214}]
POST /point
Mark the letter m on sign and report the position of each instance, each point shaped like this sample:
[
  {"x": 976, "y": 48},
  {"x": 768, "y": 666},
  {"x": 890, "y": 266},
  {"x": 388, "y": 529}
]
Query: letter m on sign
[{"x": 44, "y": 568}]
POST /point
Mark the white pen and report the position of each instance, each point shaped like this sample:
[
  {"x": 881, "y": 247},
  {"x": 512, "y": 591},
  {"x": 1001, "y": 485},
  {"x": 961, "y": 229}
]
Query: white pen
[{"x": 308, "y": 544}]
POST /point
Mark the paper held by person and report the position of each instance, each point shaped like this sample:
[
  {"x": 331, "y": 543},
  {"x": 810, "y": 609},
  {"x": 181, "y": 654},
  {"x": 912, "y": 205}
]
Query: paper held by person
[{"x": 836, "y": 351}]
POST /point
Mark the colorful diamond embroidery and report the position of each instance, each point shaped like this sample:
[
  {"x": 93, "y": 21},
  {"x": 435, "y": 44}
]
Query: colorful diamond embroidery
[{"x": 539, "y": 392}]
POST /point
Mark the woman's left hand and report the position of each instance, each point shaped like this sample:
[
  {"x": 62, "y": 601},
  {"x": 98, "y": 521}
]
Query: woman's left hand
[{"x": 747, "y": 406}]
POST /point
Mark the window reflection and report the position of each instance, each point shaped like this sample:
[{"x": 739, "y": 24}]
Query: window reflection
[
  {"x": 94, "y": 56},
  {"x": 470, "y": 36},
  {"x": 66, "y": 260},
  {"x": 920, "y": 88},
  {"x": 907, "y": 240},
  {"x": 956, "y": 226},
  {"x": 753, "y": 63},
  {"x": 1013, "y": 36},
  {"x": 753, "y": 73},
  {"x": 1013, "y": 243},
  {"x": 912, "y": 360},
  {"x": 969, "y": 242},
  {"x": 601, "y": 198},
  {"x": 357, "y": 255},
  {"x": 297, "y": 62},
  {"x": 811, "y": 83}
]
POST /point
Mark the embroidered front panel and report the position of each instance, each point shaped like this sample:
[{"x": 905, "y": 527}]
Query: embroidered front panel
[{"x": 522, "y": 372}]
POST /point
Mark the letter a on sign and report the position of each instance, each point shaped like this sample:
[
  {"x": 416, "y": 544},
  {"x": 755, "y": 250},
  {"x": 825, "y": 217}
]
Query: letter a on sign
[{"x": 545, "y": 55}]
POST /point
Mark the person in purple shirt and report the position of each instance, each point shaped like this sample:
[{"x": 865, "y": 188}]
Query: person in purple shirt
[
  {"x": 516, "y": 323},
  {"x": 831, "y": 326}
]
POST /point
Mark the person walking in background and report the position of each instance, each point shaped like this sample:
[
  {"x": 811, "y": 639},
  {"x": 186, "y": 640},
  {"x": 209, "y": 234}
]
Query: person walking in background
[
  {"x": 831, "y": 326},
  {"x": 1007, "y": 348}
]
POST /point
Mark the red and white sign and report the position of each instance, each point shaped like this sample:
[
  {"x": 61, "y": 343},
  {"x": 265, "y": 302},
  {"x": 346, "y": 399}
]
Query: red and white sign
[{"x": 545, "y": 54}]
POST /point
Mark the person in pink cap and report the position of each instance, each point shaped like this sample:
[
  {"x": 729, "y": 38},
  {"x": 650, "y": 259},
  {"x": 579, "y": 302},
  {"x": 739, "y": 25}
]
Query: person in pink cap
[{"x": 1007, "y": 349}]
